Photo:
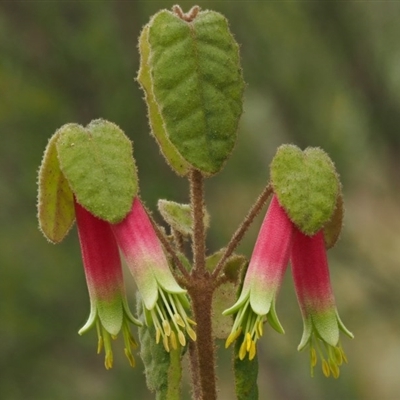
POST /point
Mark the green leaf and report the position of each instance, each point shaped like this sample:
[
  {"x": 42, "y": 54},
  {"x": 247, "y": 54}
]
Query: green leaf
[
  {"x": 333, "y": 227},
  {"x": 98, "y": 163},
  {"x": 56, "y": 212},
  {"x": 306, "y": 184},
  {"x": 246, "y": 373},
  {"x": 172, "y": 156},
  {"x": 198, "y": 86},
  {"x": 226, "y": 294},
  {"x": 224, "y": 297},
  {"x": 179, "y": 216}
]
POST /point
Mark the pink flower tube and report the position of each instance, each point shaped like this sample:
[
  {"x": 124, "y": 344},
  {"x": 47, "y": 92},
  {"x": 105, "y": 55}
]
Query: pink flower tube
[
  {"x": 268, "y": 264},
  {"x": 109, "y": 309},
  {"x": 164, "y": 300},
  {"x": 320, "y": 317}
]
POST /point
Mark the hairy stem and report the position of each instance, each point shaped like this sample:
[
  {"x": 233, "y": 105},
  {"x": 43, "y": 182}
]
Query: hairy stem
[
  {"x": 202, "y": 359},
  {"x": 244, "y": 226},
  {"x": 199, "y": 239}
]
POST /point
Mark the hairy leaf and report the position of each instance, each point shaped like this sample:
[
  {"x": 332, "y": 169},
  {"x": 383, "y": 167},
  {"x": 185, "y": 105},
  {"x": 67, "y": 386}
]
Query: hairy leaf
[
  {"x": 98, "y": 163},
  {"x": 55, "y": 199},
  {"x": 307, "y": 186},
  {"x": 197, "y": 84}
]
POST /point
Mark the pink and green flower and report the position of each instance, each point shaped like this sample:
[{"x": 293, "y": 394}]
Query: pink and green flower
[
  {"x": 322, "y": 323},
  {"x": 256, "y": 303},
  {"x": 165, "y": 302},
  {"x": 109, "y": 310},
  {"x": 279, "y": 239}
]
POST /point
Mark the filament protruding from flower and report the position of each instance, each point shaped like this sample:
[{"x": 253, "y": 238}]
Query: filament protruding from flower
[
  {"x": 250, "y": 324},
  {"x": 171, "y": 321},
  {"x": 332, "y": 357},
  {"x": 104, "y": 340}
]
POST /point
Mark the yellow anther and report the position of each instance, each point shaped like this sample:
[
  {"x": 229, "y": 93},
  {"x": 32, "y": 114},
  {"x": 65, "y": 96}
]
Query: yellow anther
[
  {"x": 252, "y": 352},
  {"x": 181, "y": 338},
  {"x": 337, "y": 356},
  {"x": 165, "y": 343},
  {"x": 313, "y": 357},
  {"x": 334, "y": 369},
  {"x": 259, "y": 328},
  {"x": 325, "y": 368},
  {"x": 130, "y": 358},
  {"x": 167, "y": 327},
  {"x": 178, "y": 319},
  {"x": 242, "y": 350},
  {"x": 248, "y": 341},
  {"x": 158, "y": 335},
  {"x": 190, "y": 321},
  {"x": 232, "y": 337},
  {"x": 191, "y": 333},
  {"x": 108, "y": 361},
  {"x": 173, "y": 341}
]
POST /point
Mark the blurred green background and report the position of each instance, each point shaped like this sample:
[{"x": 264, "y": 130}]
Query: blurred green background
[{"x": 318, "y": 73}]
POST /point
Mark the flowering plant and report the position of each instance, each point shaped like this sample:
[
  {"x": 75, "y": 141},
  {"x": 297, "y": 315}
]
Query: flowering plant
[{"x": 191, "y": 76}]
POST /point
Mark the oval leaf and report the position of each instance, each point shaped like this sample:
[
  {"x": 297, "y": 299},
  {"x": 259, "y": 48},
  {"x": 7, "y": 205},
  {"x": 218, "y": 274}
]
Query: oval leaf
[
  {"x": 174, "y": 159},
  {"x": 306, "y": 184},
  {"x": 98, "y": 163},
  {"x": 56, "y": 212},
  {"x": 197, "y": 84},
  {"x": 179, "y": 216}
]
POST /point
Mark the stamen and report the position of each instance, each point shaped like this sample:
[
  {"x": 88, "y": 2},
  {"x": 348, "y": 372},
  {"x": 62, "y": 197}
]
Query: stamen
[
  {"x": 248, "y": 341},
  {"x": 181, "y": 338},
  {"x": 325, "y": 368},
  {"x": 252, "y": 352},
  {"x": 158, "y": 335},
  {"x": 173, "y": 340},
  {"x": 242, "y": 350},
  {"x": 165, "y": 343},
  {"x": 167, "y": 327}
]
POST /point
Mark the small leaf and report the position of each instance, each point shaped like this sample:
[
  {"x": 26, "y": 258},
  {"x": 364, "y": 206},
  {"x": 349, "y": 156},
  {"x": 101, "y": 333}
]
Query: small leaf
[
  {"x": 56, "y": 212},
  {"x": 226, "y": 294},
  {"x": 224, "y": 297},
  {"x": 333, "y": 227},
  {"x": 198, "y": 85},
  {"x": 179, "y": 216},
  {"x": 174, "y": 159},
  {"x": 98, "y": 163},
  {"x": 233, "y": 265},
  {"x": 246, "y": 373},
  {"x": 306, "y": 185}
]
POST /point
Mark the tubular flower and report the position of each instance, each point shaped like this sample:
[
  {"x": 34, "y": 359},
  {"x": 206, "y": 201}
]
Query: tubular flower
[
  {"x": 109, "y": 310},
  {"x": 165, "y": 302},
  {"x": 314, "y": 293},
  {"x": 256, "y": 303}
]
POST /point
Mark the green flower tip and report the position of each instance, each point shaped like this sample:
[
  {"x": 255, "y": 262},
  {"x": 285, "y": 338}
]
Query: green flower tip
[
  {"x": 330, "y": 352},
  {"x": 104, "y": 335},
  {"x": 251, "y": 325},
  {"x": 170, "y": 320}
]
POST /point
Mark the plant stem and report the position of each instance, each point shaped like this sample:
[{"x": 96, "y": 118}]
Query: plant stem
[
  {"x": 203, "y": 358},
  {"x": 238, "y": 235},
  {"x": 199, "y": 240}
]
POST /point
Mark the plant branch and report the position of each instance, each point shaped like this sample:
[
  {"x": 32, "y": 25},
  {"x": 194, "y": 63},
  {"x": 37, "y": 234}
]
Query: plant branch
[
  {"x": 197, "y": 204},
  {"x": 238, "y": 235}
]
